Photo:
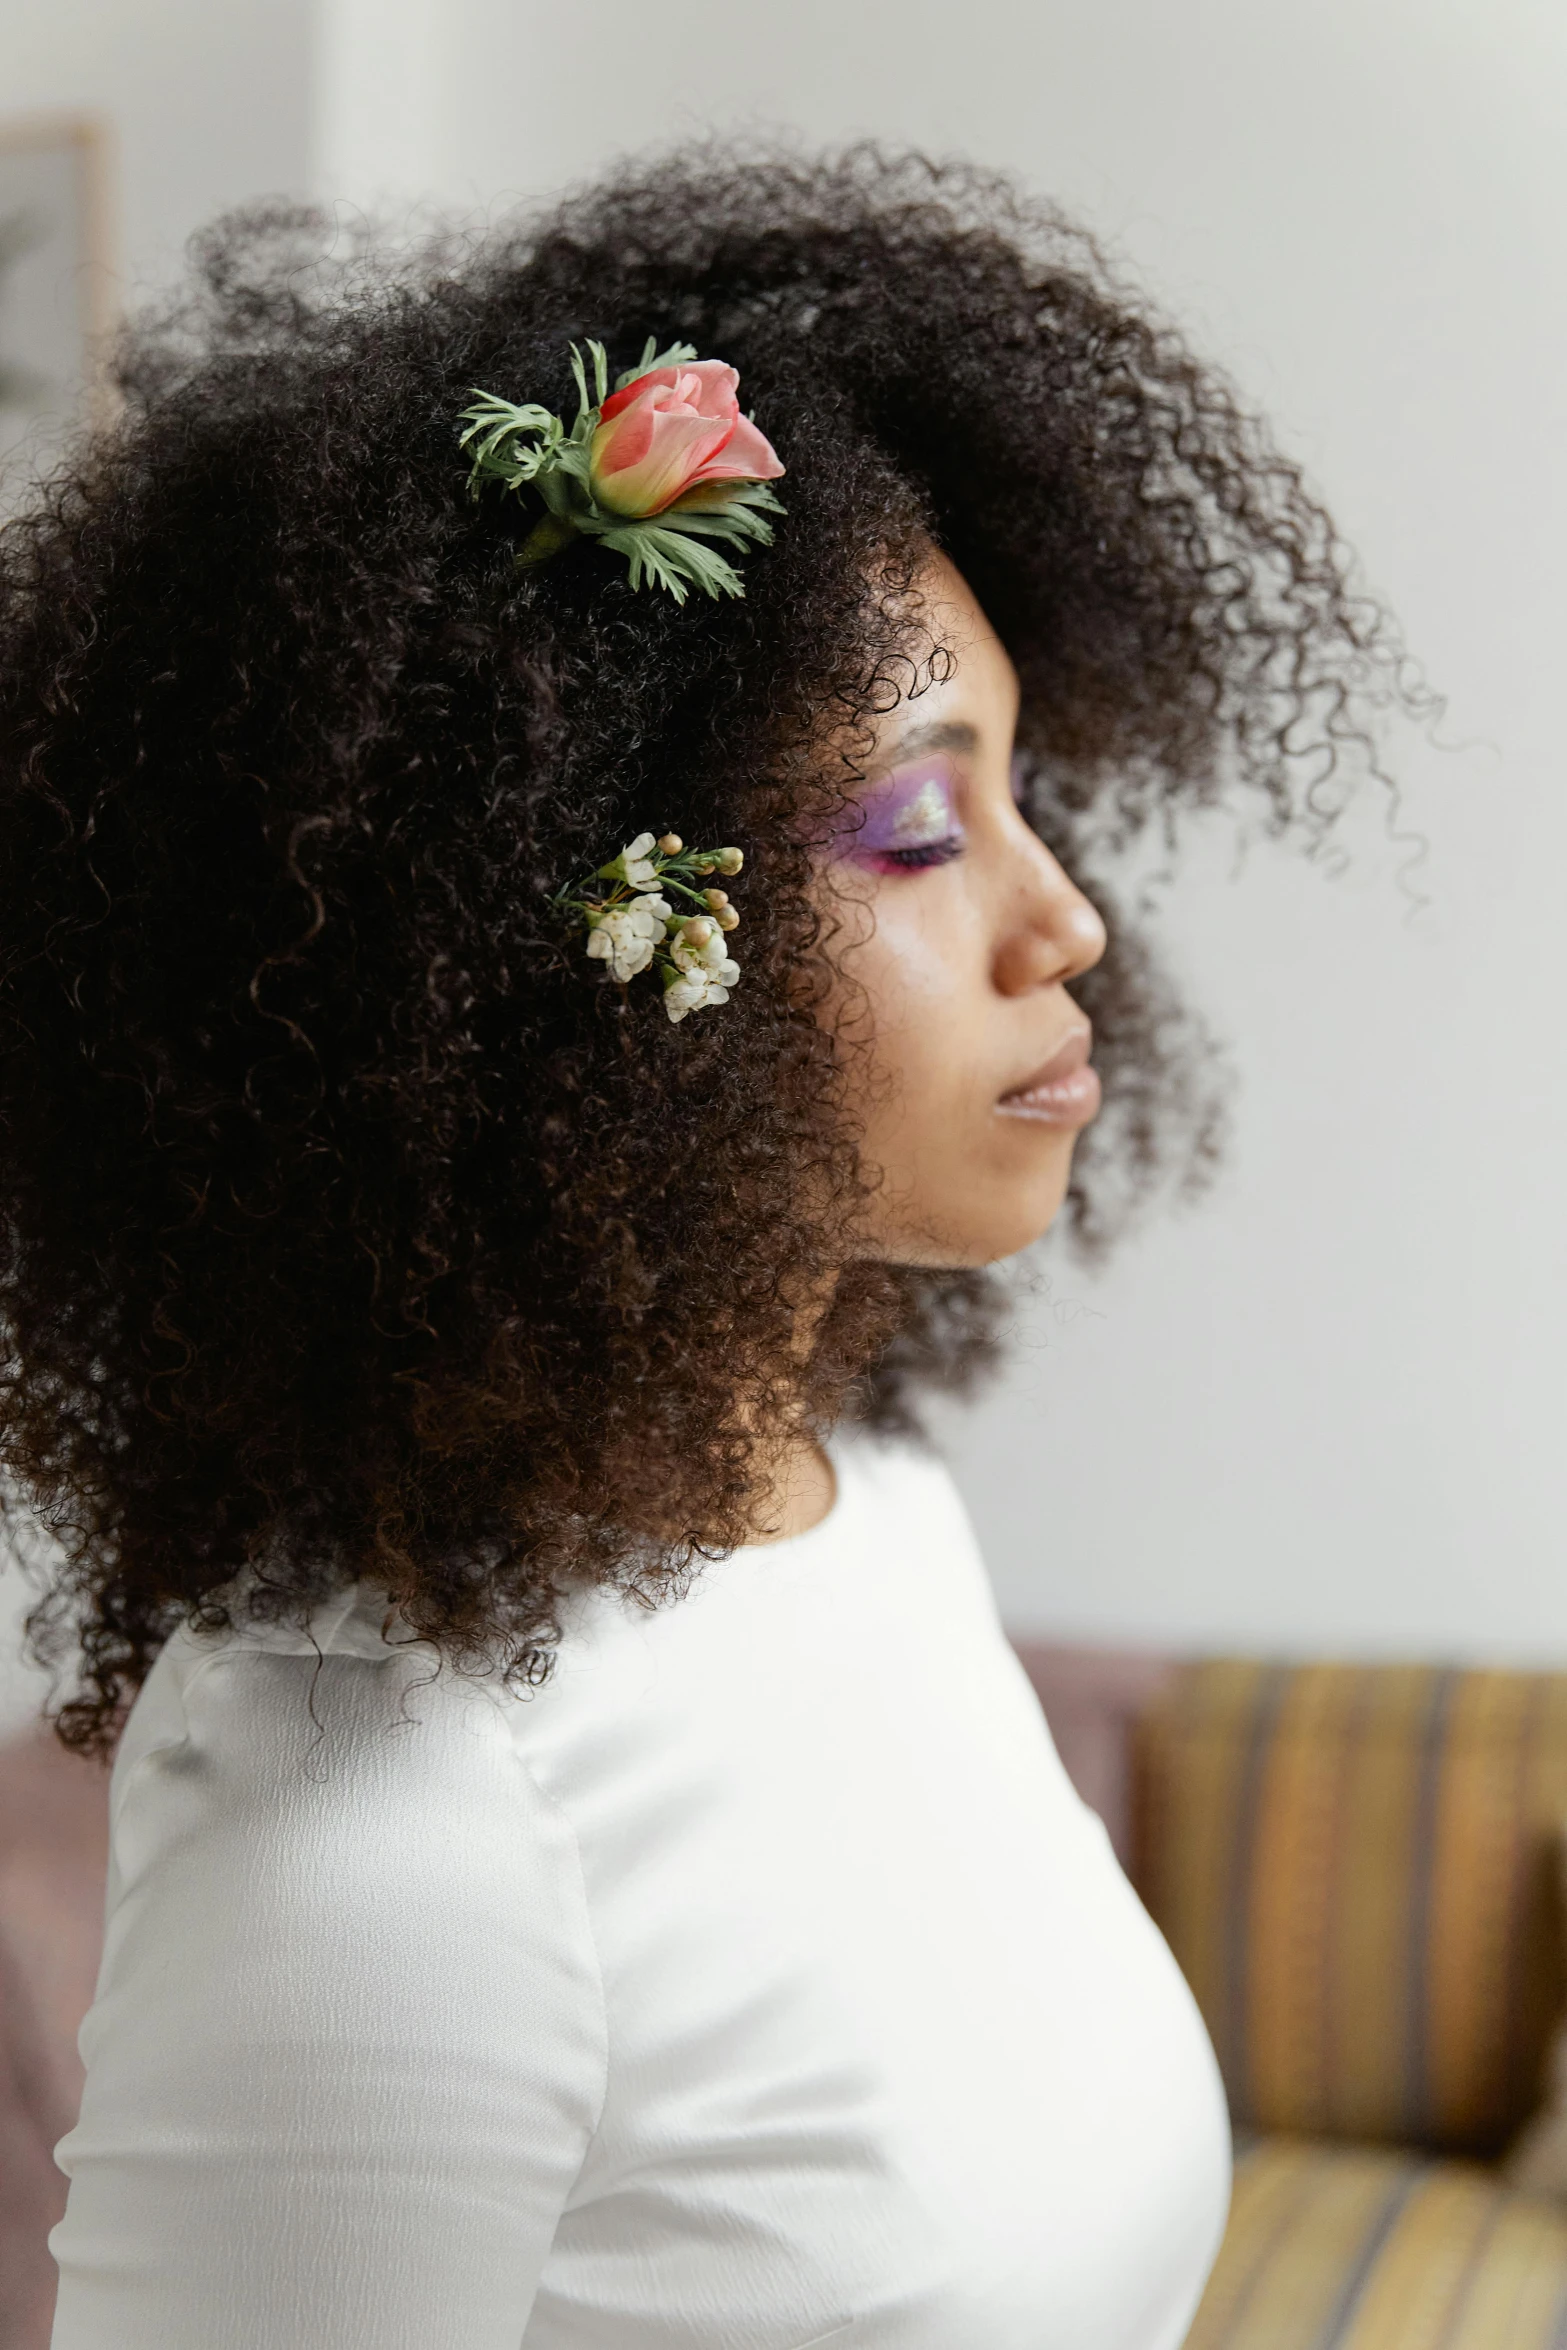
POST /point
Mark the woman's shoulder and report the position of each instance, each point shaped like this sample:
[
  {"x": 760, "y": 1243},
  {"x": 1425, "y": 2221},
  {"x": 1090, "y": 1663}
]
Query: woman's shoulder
[
  {"x": 299, "y": 1681},
  {"x": 349, "y": 1702},
  {"x": 338, "y": 1754},
  {"x": 348, "y": 1967}
]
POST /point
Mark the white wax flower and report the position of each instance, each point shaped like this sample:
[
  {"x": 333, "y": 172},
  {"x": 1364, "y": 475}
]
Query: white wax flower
[
  {"x": 626, "y": 936},
  {"x": 708, "y": 957},
  {"x": 699, "y": 985},
  {"x": 637, "y": 865},
  {"x": 686, "y": 994}
]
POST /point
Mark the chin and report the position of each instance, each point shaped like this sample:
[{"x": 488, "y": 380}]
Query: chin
[
  {"x": 987, "y": 1232},
  {"x": 1024, "y": 1218}
]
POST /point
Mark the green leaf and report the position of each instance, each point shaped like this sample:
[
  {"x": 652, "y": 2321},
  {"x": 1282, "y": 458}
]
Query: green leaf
[
  {"x": 493, "y": 418},
  {"x": 652, "y": 359},
  {"x": 645, "y": 564},
  {"x": 738, "y": 528},
  {"x": 587, "y": 410},
  {"x": 495, "y": 434},
  {"x": 670, "y": 559},
  {"x": 717, "y": 497},
  {"x": 561, "y": 494},
  {"x": 573, "y": 457}
]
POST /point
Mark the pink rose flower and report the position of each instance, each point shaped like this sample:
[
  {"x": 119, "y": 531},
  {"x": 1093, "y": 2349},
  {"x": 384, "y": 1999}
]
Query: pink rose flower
[{"x": 675, "y": 430}]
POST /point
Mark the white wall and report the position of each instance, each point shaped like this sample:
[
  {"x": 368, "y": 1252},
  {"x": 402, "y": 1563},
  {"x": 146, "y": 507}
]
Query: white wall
[
  {"x": 210, "y": 104},
  {"x": 1323, "y": 1411}
]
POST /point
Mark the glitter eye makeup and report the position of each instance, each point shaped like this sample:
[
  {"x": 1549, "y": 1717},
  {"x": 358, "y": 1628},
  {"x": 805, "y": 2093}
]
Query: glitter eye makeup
[{"x": 910, "y": 820}]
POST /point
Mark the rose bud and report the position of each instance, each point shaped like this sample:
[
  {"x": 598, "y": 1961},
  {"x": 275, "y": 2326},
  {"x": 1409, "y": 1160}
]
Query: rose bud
[{"x": 675, "y": 430}]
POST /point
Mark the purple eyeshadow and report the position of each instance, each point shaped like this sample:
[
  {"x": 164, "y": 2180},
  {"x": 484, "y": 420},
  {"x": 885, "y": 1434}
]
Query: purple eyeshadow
[{"x": 912, "y": 808}]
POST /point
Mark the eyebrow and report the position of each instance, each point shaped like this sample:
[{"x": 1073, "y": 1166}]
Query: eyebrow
[{"x": 943, "y": 736}]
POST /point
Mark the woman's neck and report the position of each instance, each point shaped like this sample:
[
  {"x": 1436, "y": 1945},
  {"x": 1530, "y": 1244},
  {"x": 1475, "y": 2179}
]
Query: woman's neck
[{"x": 800, "y": 1491}]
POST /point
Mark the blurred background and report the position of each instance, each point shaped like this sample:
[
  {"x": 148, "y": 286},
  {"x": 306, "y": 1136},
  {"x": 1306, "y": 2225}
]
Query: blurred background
[{"x": 1322, "y": 1412}]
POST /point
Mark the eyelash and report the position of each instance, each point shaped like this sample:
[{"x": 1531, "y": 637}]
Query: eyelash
[{"x": 936, "y": 852}]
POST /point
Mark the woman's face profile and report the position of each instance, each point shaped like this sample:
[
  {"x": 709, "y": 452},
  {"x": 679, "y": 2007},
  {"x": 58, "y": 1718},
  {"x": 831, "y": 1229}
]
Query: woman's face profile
[{"x": 960, "y": 933}]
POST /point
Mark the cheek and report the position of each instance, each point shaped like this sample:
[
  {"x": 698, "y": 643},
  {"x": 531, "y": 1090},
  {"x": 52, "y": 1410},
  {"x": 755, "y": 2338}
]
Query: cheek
[{"x": 923, "y": 974}]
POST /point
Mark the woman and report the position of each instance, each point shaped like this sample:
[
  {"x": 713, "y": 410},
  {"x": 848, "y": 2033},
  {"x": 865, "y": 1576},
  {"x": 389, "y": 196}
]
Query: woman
[{"x": 586, "y": 1868}]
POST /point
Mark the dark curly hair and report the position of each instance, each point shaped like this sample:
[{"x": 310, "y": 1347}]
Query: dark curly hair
[{"x": 353, "y": 1225}]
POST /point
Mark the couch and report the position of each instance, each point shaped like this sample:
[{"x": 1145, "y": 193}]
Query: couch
[
  {"x": 53, "y": 1853},
  {"x": 1357, "y": 1870}
]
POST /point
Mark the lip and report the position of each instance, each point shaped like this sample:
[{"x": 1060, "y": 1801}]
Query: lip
[{"x": 1065, "y": 1092}]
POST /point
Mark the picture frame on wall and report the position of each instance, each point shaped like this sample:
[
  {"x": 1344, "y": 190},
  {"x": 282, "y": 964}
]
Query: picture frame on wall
[{"x": 56, "y": 286}]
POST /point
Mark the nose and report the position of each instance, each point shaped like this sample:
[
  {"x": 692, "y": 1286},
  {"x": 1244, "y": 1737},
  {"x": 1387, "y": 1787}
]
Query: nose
[{"x": 1052, "y": 932}]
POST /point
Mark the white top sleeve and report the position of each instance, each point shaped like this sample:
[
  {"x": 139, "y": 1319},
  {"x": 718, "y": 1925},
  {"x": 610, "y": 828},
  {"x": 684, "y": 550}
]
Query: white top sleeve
[{"x": 348, "y": 2051}]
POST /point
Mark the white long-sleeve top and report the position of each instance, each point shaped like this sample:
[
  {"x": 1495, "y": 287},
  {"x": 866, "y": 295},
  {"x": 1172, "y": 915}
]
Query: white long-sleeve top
[{"x": 759, "y": 1982}]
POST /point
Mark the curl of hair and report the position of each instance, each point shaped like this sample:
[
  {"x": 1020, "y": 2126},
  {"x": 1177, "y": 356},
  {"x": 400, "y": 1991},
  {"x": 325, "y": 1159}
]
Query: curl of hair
[{"x": 350, "y": 1225}]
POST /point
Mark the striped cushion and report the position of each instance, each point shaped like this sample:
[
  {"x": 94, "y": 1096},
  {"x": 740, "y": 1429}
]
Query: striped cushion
[
  {"x": 1353, "y": 1866},
  {"x": 1358, "y": 2248}
]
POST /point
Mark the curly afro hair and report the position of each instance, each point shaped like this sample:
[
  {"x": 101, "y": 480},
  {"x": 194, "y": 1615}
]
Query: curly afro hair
[{"x": 354, "y": 1226}]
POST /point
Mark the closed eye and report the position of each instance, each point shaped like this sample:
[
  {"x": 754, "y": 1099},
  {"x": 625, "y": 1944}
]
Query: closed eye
[
  {"x": 907, "y": 819},
  {"x": 935, "y": 852}
]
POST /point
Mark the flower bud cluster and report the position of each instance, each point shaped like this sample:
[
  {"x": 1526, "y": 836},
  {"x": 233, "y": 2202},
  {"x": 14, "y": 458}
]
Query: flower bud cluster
[{"x": 632, "y": 924}]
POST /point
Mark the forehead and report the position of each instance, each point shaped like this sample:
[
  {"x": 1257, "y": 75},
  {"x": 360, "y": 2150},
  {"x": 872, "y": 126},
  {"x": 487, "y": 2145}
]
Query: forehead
[{"x": 966, "y": 703}]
